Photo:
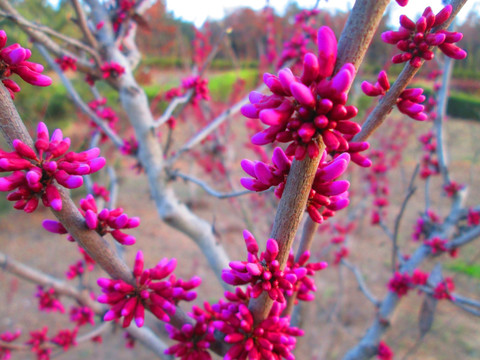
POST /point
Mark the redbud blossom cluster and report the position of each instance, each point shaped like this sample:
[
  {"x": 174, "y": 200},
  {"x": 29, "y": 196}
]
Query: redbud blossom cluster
[
  {"x": 103, "y": 222},
  {"x": 384, "y": 352},
  {"x": 272, "y": 338},
  {"x": 303, "y": 108},
  {"x": 199, "y": 86},
  {"x": 13, "y": 60},
  {"x": 34, "y": 172},
  {"x": 408, "y": 102},
  {"x": 264, "y": 274},
  {"x": 326, "y": 195},
  {"x": 7, "y": 337},
  {"x": 66, "y": 62},
  {"x": 129, "y": 301},
  {"x": 103, "y": 112},
  {"x": 111, "y": 69},
  {"x": 193, "y": 340},
  {"x": 48, "y": 300},
  {"x": 416, "y": 39}
]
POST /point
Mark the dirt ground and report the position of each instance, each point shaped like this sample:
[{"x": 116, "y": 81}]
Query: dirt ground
[{"x": 334, "y": 322}]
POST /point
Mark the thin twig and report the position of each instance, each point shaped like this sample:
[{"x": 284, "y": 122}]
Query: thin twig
[
  {"x": 208, "y": 189},
  {"x": 410, "y": 191},
  {"x": 361, "y": 282}
]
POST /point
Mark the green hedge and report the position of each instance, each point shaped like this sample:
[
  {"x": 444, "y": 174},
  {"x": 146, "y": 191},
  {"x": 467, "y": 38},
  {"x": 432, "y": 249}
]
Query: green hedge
[{"x": 464, "y": 106}]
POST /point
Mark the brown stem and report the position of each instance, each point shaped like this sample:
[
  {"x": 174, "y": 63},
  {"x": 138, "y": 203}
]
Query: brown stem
[
  {"x": 82, "y": 23},
  {"x": 287, "y": 219}
]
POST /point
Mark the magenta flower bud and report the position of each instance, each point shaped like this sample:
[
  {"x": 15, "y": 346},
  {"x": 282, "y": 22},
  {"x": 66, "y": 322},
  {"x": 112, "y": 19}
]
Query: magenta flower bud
[
  {"x": 120, "y": 221},
  {"x": 435, "y": 39},
  {"x": 24, "y": 150},
  {"x": 254, "y": 269},
  {"x": 133, "y": 222},
  {"x": 91, "y": 220},
  {"x": 54, "y": 227},
  {"x": 273, "y": 116},
  {"x": 370, "y": 90},
  {"x": 53, "y": 197},
  {"x": 104, "y": 214},
  {"x": 311, "y": 69},
  {"x": 8, "y": 183},
  {"x": 255, "y": 97},
  {"x": 341, "y": 81},
  {"x": 286, "y": 78},
  {"x": 264, "y": 174},
  {"x": 338, "y": 204},
  {"x": 453, "y": 51},
  {"x": 250, "y": 111},
  {"x": 273, "y": 84},
  {"x": 17, "y": 56},
  {"x": 407, "y": 23},
  {"x": 253, "y": 184},
  {"x": 3, "y": 39},
  {"x": 443, "y": 15},
  {"x": 68, "y": 181},
  {"x": 279, "y": 159},
  {"x": 83, "y": 156},
  {"x": 252, "y": 245},
  {"x": 348, "y": 127},
  {"x": 33, "y": 77},
  {"x": 330, "y": 140},
  {"x": 263, "y": 138},
  {"x": 327, "y": 51},
  {"x": 302, "y": 94},
  {"x": 452, "y": 37},
  {"x": 383, "y": 80},
  {"x": 139, "y": 315},
  {"x": 14, "y": 164},
  {"x": 74, "y": 168},
  {"x": 272, "y": 248},
  {"x": 248, "y": 166},
  {"x": 123, "y": 238},
  {"x": 307, "y": 131}
]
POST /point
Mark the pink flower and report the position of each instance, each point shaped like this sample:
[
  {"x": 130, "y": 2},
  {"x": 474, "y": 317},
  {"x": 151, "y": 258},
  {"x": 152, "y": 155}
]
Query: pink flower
[
  {"x": 82, "y": 315},
  {"x": 103, "y": 222},
  {"x": 400, "y": 284},
  {"x": 302, "y": 108},
  {"x": 193, "y": 340},
  {"x": 416, "y": 40},
  {"x": 13, "y": 59},
  {"x": 444, "y": 289},
  {"x": 66, "y": 62},
  {"x": 408, "y": 102},
  {"x": 48, "y": 300},
  {"x": 111, "y": 69},
  {"x": 453, "y": 188},
  {"x": 473, "y": 218},
  {"x": 326, "y": 196},
  {"x": 159, "y": 297},
  {"x": 35, "y": 172},
  {"x": 384, "y": 352},
  {"x": 65, "y": 338},
  {"x": 199, "y": 86},
  {"x": 7, "y": 337},
  {"x": 272, "y": 338}
]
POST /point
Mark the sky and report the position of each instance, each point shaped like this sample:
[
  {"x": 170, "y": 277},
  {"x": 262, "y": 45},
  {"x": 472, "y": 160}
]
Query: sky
[{"x": 197, "y": 11}]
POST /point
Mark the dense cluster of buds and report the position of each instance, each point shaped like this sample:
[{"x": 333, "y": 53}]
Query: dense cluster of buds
[
  {"x": 409, "y": 101},
  {"x": 304, "y": 286},
  {"x": 438, "y": 246},
  {"x": 473, "y": 217},
  {"x": 121, "y": 13},
  {"x": 38, "y": 339},
  {"x": 272, "y": 338},
  {"x": 303, "y": 33},
  {"x": 384, "y": 352},
  {"x": 201, "y": 45},
  {"x": 103, "y": 222},
  {"x": 193, "y": 340},
  {"x": 103, "y": 112},
  {"x": 66, "y": 62},
  {"x": 13, "y": 60},
  {"x": 129, "y": 301},
  {"x": 48, "y": 300},
  {"x": 400, "y": 283},
  {"x": 444, "y": 290},
  {"x": 264, "y": 274},
  {"x": 82, "y": 315},
  {"x": 303, "y": 108},
  {"x": 34, "y": 172},
  {"x": 65, "y": 338},
  {"x": 199, "y": 86},
  {"x": 416, "y": 39},
  {"x": 424, "y": 225},
  {"x": 7, "y": 337},
  {"x": 100, "y": 191},
  {"x": 111, "y": 69},
  {"x": 429, "y": 164},
  {"x": 326, "y": 195},
  {"x": 451, "y": 189}
]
